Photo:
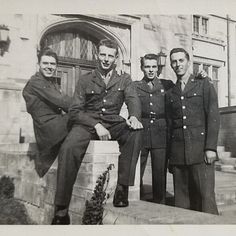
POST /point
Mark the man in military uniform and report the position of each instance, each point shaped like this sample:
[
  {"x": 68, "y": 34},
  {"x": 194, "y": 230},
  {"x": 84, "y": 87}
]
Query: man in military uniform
[
  {"x": 48, "y": 107},
  {"x": 151, "y": 92},
  {"x": 192, "y": 110},
  {"x": 94, "y": 114}
]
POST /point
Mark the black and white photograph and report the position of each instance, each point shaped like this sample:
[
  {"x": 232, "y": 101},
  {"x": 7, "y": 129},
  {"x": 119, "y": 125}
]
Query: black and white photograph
[{"x": 117, "y": 118}]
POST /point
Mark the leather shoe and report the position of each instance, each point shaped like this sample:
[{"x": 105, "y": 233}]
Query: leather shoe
[
  {"x": 121, "y": 196},
  {"x": 61, "y": 220}
]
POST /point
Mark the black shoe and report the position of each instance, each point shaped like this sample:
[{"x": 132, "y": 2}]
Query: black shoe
[
  {"x": 61, "y": 220},
  {"x": 121, "y": 196}
]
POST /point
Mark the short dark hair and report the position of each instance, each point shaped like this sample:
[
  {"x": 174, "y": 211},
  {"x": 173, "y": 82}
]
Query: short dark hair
[
  {"x": 175, "y": 50},
  {"x": 47, "y": 52},
  {"x": 108, "y": 43},
  {"x": 150, "y": 56}
]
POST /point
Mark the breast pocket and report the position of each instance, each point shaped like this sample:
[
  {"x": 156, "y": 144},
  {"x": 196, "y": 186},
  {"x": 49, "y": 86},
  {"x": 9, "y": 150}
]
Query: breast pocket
[
  {"x": 92, "y": 94},
  {"x": 118, "y": 95},
  {"x": 196, "y": 98}
]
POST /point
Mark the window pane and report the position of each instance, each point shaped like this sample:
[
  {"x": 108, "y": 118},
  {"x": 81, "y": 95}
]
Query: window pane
[
  {"x": 215, "y": 71},
  {"x": 196, "y": 24},
  {"x": 195, "y": 68},
  {"x": 206, "y": 68},
  {"x": 204, "y": 25}
]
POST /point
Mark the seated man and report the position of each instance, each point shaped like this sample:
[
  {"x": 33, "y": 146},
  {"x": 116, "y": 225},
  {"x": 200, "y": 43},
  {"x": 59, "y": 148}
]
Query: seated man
[
  {"x": 47, "y": 106},
  {"x": 94, "y": 114}
]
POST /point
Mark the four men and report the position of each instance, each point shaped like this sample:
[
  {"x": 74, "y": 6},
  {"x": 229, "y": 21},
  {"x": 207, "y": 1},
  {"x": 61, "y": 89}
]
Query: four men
[{"x": 189, "y": 108}]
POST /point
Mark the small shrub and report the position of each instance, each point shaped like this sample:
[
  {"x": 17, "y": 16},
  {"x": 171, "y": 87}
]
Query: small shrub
[
  {"x": 7, "y": 187},
  {"x": 93, "y": 214}
]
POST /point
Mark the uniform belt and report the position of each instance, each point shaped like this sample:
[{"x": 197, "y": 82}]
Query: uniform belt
[{"x": 154, "y": 116}]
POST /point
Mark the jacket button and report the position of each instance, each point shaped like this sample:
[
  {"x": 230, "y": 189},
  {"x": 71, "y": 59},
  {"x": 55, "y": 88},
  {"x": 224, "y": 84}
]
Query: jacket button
[
  {"x": 182, "y": 97},
  {"x": 151, "y": 121},
  {"x": 183, "y": 107},
  {"x": 184, "y": 117},
  {"x": 150, "y": 95},
  {"x": 184, "y": 127},
  {"x": 103, "y": 109},
  {"x": 151, "y": 104},
  {"x": 105, "y": 91},
  {"x": 104, "y": 100}
]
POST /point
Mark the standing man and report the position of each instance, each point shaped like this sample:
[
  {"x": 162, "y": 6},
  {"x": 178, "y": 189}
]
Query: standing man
[
  {"x": 192, "y": 110},
  {"x": 94, "y": 114},
  {"x": 151, "y": 92},
  {"x": 47, "y": 106}
]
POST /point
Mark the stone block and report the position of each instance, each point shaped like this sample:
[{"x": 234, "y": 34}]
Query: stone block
[
  {"x": 48, "y": 196},
  {"x": 76, "y": 219},
  {"x": 77, "y": 204},
  {"x": 31, "y": 193},
  {"x": 51, "y": 178}
]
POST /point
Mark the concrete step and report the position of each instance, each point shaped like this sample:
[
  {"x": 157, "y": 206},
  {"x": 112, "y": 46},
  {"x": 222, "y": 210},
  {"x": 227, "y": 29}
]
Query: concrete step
[
  {"x": 141, "y": 212},
  {"x": 220, "y": 148},
  {"x": 227, "y": 210},
  {"x": 224, "y": 154},
  {"x": 228, "y": 160}
]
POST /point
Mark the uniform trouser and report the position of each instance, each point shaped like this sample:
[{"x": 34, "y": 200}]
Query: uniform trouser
[
  {"x": 158, "y": 162},
  {"x": 194, "y": 187},
  {"x": 72, "y": 153}
]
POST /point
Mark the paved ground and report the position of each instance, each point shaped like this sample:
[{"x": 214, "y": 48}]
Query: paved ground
[{"x": 225, "y": 189}]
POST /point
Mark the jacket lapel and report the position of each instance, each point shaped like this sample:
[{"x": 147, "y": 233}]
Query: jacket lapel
[
  {"x": 143, "y": 86},
  {"x": 113, "y": 80},
  {"x": 96, "y": 78},
  {"x": 190, "y": 84}
]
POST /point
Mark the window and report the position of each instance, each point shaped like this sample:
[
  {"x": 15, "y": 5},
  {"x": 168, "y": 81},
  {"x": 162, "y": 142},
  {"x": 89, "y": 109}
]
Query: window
[
  {"x": 215, "y": 77},
  {"x": 211, "y": 70},
  {"x": 204, "y": 25},
  {"x": 196, "y": 67},
  {"x": 200, "y": 25},
  {"x": 196, "y": 24}
]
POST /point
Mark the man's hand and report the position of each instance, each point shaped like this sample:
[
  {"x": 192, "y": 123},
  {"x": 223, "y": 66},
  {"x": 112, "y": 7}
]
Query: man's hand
[
  {"x": 102, "y": 132},
  {"x": 202, "y": 74},
  {"x": 210, "y": 157},
  {"x": 134, "y": 123}
]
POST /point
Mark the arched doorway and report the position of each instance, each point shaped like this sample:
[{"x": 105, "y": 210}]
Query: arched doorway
[{"x": 75, "y": 44}]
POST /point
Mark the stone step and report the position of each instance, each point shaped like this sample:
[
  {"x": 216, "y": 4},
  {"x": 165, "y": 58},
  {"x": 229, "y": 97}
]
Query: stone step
[
  {"x": 228, "y": 160},
  {"x": 224, "y": 154},
  {"x": 227, "y": 210},
  {"x": 220, "y": 148},
  {"x": 141, "y": 212}
]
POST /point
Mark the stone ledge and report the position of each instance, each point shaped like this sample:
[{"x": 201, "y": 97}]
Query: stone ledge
[{"x": 141, "y": 212}]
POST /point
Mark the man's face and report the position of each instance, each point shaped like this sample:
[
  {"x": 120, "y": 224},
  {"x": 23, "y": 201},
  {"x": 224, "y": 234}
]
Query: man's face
[
  {"x": 179, "y": 63},
  {"x": 106, "y": 57},
  {"x": 47, "y": 66},
  {"x": 150, "y": 68}
]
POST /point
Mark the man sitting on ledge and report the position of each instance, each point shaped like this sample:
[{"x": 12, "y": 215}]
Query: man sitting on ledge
[
  {"x": 94, "y": 114},
  {"x": 48, "y": 107}
]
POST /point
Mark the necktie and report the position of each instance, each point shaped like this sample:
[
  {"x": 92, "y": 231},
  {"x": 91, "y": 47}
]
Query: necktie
[
  {"x": 181, "y": 84},
  {"x": 150, "y": 84}
]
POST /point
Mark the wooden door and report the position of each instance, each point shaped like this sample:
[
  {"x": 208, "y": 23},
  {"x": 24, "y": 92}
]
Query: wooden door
[{"x": 69, "y": 75}]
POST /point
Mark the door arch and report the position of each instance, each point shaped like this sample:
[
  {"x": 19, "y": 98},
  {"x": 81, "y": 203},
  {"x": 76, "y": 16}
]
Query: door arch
[{"x": 75, "y": 42}]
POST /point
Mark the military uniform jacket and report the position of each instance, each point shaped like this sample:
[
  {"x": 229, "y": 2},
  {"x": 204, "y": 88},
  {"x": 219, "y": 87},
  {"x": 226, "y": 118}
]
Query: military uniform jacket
[
  {"x": 94, "y": 102},
  {"x": 45, "y": 103},
  {"x": 194, "y": 119},
  {"x": 153, "y": 111}
]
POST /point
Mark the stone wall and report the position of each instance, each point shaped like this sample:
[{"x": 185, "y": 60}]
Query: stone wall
[
  {"x": 18, "y": 161},
  {"x": 227, "y": 135}
]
